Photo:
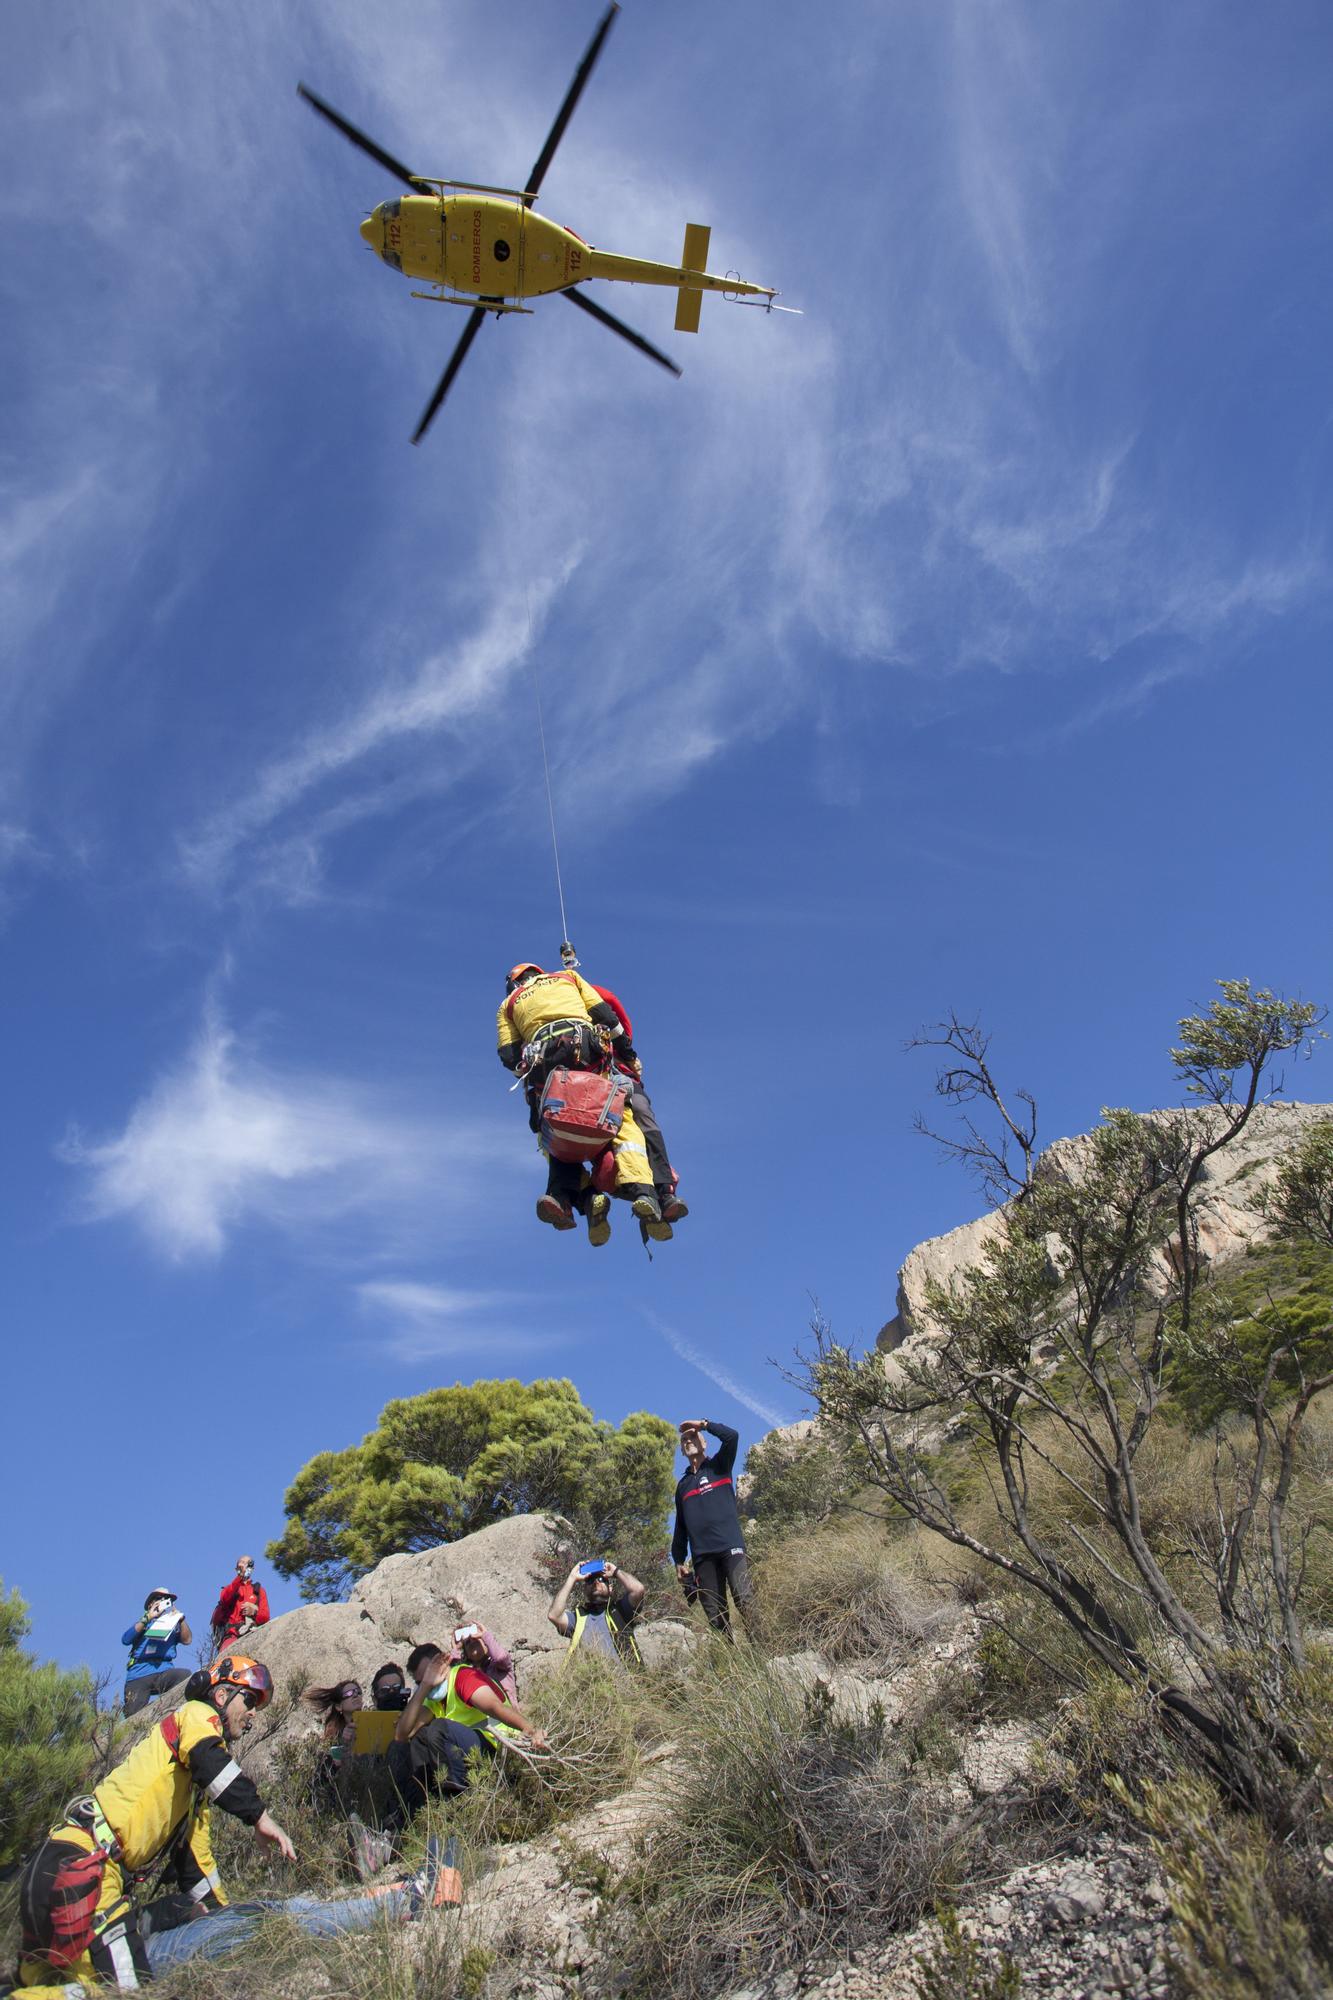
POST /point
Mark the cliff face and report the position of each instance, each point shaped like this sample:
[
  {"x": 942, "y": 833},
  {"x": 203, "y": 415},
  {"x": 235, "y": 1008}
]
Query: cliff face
[{"x": 1229, "y": 1220}]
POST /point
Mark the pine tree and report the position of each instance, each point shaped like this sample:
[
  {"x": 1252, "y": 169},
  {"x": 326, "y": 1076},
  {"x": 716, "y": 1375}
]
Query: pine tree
[{"x": 46, "y": 1734}]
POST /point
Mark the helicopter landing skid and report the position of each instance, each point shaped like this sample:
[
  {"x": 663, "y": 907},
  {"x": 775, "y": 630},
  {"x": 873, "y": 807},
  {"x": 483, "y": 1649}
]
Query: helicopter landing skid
[{"x": 471, "y": 302}]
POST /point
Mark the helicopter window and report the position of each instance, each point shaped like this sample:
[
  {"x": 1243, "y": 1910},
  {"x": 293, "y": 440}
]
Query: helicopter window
[
  {"x": 501, "y": 251},
  {"x": 393, "y": 209}
]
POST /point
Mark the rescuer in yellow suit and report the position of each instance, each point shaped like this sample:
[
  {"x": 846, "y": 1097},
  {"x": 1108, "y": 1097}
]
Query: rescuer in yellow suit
[
  {"x": 150, "y": 1814},
  {"x": 553, "y": 1020}
]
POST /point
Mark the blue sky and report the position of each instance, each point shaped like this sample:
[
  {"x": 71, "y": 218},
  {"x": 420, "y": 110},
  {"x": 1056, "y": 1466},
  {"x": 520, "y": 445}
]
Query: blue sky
[{"x": 964, "y": 642}]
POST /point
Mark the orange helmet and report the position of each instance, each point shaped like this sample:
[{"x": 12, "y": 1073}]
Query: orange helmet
[
  {"x": 516, "y": 972},
  {"x": 247, "y": 1676}
]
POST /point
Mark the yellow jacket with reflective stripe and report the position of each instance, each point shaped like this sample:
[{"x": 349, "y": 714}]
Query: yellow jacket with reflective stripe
[
  {"x": 145, "y": 1799},
  {"x": 454, "y": 1709},
  {"x": 551, "y": 996}
]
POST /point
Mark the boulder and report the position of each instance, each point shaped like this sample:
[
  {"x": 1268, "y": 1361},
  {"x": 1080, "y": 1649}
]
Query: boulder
[
  {"x": 666, "y": 1642},
  {"x": 321, "y": 1643},
  {"x": 493, "y": 1576}
]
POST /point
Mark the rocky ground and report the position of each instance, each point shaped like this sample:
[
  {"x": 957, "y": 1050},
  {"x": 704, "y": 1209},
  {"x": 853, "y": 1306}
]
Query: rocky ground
[{"x": 1089, "y": 1926}]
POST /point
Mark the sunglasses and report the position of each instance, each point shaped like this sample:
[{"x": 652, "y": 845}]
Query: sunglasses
[{"x": 252, "y": 1698}]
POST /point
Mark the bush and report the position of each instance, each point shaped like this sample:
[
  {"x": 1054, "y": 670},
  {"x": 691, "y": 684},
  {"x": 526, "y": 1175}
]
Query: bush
[
  {"x": 1251, "y": 1922},
  {"x": 596, "y": 1721},
  {"x": 47, "y": 1724},
  {"x": 794, "y": 1482},
  {"x": 838, "y": 1592},
  {"x": 785, "y": 1835}
]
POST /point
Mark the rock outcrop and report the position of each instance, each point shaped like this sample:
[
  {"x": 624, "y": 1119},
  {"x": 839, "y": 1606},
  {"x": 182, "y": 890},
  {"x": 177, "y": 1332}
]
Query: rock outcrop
[{"x": 1229, "y": 1220}]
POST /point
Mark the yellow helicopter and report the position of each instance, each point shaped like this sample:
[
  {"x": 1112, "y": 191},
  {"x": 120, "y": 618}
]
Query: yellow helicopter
[{"x": 483, "y": 247}]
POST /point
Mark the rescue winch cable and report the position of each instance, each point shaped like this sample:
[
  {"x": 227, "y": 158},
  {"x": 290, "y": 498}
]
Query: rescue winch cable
[{"x": 546, "y": 770}]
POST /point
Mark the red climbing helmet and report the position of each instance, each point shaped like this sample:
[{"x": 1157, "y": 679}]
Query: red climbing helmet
[{"x": 247, "y": 1676}]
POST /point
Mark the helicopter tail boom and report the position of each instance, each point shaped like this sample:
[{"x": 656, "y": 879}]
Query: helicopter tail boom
[
  {"x": 641, "y": 271},
  {"x": 694, "y": 257}
]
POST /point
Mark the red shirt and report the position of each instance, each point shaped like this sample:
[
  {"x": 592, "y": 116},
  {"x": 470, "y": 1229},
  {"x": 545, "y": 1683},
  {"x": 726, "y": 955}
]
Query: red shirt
[
  {"x": 616, "y": 1009},
  {"x": 468, "y": 1679},
  {"x": 240, "y": 1598}
]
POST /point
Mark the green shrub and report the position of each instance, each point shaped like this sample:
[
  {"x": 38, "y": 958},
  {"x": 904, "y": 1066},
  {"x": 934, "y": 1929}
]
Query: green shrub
[
  {"x": 596, "y": 1721},
  {"x": 47, "y": 1724},
  {"x": 1237, "y": 1935},
  {"x": 793, "y": 1482}
]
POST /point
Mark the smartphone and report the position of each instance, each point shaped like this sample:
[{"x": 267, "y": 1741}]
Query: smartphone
[{"x": 593, "y": 1567}]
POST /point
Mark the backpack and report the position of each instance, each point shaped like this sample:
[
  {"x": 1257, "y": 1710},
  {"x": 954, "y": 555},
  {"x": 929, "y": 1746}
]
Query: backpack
[
  {"x": 58, "y": 1898},
  {"x": 581, "y": 1113}
]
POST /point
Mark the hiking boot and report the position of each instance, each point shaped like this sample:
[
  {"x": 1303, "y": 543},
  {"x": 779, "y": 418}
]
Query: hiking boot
[
  {"x": 436, "y": 1884},
  {"x": 660, "y": 1231},
  {"x": 647, "y": 1210},
  {"x": 554, "y": 1211},
  {"x": 599, "y": 1220},
  {"x": 673, "y": 1208}
]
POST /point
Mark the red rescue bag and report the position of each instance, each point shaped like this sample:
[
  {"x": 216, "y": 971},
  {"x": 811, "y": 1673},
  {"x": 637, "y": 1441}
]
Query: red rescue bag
[
  {"x": 58, "y": 1900},
  {"x": 581, "y": 1113}
]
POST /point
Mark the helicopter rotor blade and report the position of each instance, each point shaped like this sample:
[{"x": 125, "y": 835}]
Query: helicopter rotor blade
[
  {"x": 349, "y": 131},
  {"x": 572, "y": 96},
  {"x": 577, "y": 298},
  {"x": 445, "y": 383}
]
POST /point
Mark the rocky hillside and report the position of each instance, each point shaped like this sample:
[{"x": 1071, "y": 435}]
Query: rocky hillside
[
  {"x": 907, "y": 1784},
  {"x": 1229, "y": 1220}
]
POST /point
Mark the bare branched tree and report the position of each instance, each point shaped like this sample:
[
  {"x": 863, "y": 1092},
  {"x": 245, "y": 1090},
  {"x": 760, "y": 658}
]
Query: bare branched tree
[
  {"x": 967, "y": 1079},
  {"x": 1049, "y": 1359}
]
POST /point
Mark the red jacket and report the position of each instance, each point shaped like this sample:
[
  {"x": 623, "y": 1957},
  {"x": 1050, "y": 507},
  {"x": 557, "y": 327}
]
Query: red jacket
[
  {"x": 240, "y": 1599},
  {"x": 616, "y": 1009}
]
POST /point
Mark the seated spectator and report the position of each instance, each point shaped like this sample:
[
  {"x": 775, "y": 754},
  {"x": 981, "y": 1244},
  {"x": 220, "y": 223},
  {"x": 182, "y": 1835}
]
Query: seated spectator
[
  {"x": 388, "y": 1687},
  {"x": 153, "y": 1641},
  {"x": 453, "y": 1711},
  {"x": 338, "y": 1705},
  {"x": 609, "y": 1602},
  {"x": 498, "y": 1664}
]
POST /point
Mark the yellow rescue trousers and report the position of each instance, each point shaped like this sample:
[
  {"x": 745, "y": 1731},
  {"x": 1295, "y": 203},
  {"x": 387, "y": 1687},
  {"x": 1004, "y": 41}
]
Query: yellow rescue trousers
[{"x": 632, "y": 1171}]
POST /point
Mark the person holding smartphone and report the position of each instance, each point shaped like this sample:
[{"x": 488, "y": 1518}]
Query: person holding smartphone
[
  {"x": 153, "y": 1641},
  {"x": 498, "y": 1661},
  {"x": 602, "y": 1620}
]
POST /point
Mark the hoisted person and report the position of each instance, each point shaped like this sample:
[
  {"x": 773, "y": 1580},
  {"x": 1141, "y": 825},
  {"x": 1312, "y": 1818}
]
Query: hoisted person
[{"x": 556, "y": 1020}]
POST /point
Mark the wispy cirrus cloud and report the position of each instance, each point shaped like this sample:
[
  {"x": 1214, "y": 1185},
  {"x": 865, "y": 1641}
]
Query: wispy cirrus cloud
[
  {"x": 223, "y": 1142},
  {"x": 707, "y": 1366},
  {"x": 430, "y": 1322}
]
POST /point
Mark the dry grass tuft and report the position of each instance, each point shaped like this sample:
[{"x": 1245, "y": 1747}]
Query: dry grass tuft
[{"x": 843, "y": 1593}]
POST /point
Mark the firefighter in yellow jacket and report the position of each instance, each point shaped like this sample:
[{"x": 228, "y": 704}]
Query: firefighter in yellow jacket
[
  {"x": 554, "y": 1020},
  {"x": 146, "y": 1822}
]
